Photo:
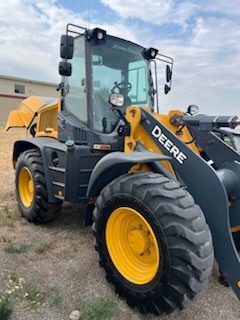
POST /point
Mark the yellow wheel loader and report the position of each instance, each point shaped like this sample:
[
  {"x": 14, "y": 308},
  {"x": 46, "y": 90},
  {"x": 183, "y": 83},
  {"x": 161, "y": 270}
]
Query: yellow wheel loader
[{"x": 161, "y": 191}]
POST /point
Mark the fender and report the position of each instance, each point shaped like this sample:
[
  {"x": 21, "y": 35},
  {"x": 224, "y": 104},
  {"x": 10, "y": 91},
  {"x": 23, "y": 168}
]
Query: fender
[
  {"x": 116, "y": 164},
  {"x": 43, "y": 145}
]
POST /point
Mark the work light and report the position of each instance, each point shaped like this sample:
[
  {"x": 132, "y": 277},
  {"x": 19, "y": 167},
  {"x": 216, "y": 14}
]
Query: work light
[{"x": 150, "y": 53}]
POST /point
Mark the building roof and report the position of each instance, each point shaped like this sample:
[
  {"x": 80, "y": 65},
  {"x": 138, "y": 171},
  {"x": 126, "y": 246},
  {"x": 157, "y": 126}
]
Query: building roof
[{"x": 27, "y": 80}]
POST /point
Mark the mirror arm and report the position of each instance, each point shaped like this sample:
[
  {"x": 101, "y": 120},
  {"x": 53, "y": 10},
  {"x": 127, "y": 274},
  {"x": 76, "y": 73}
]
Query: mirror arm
[{"x": 124, "y": 130}]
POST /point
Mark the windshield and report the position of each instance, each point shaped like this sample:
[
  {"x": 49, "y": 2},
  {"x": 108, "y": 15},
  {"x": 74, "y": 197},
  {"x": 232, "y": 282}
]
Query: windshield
[{"x": 118, "y": 66}]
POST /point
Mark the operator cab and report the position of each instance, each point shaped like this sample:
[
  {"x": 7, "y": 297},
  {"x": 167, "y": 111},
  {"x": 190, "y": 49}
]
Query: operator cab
[{"x": 96, "y": 65}]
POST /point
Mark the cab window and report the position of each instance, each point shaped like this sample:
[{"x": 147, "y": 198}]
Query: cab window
[{"x": 75, "y": 99}]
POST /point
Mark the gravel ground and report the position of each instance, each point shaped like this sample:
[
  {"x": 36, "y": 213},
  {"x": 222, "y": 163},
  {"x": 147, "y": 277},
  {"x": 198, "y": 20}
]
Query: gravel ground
[{"x": 59, "y": 266}]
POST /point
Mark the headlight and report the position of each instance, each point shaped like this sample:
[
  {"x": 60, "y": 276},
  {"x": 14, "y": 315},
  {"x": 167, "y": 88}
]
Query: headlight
[
  {"x": 116, "y": 99},
  {"x": 193, "y": 109}
]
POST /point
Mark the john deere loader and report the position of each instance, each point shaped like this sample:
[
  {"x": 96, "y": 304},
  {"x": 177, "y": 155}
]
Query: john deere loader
[{"x": 161, "y": 191}]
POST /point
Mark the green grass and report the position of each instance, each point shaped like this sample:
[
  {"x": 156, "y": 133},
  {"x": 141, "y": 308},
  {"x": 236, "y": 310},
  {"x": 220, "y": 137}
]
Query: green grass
[
  {"x": 5, "y": 308},
  {"x": 10, "y": 293},
  {"x": 20, "y": 248},
  {"x": 23, "y": 221},
  {"x": 55, "y": 298},
  {"x": 4, "y": 239},
  {"x": 42, "y": 247},
  {"x": 14, "y": 276},
  {"x": 102, "y": 309},
  {"x": 7, "y": 211},
  {"x": 35, "y": 296},
  {"x": 5, "y": 217}
]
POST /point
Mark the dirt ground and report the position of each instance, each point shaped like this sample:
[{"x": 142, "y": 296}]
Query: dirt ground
[{"x": 48, "y": 271}]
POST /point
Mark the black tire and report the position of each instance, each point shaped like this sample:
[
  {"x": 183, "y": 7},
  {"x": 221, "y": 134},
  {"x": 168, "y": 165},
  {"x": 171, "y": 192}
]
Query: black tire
[
  {"x": 33, "y": 201},
  {"x": 183, "y": 239}
]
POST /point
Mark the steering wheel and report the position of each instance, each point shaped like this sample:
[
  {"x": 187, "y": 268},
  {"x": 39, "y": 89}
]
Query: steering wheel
[{"x": 121, "y": 86}]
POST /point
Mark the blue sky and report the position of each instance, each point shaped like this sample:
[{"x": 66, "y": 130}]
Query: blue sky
[{"x": 203, "y": 38}]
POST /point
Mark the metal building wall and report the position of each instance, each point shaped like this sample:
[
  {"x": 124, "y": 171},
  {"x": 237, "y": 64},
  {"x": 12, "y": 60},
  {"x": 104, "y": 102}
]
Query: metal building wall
[{"x": 10, "y": 100}]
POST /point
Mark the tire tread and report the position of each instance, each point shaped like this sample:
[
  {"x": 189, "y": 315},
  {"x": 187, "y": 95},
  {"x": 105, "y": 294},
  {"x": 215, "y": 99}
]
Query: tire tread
[{"x": 187, "y": 234}]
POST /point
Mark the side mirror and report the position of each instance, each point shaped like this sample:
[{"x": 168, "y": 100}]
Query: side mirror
[
  {"x": 116, "y": 99},
  {"x": 65, "y": 68},
  {"x": 66, "y": 47},
  {"x": 168, "y": 74},
  {"x": 166, "y": 89}
]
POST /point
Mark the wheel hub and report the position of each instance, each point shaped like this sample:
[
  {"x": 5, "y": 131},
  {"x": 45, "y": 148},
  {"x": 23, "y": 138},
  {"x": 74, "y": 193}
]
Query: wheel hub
[
  {"x": 132, "y": 245},
  {"x": 26, "y": 187},
  {"x": 138, "y": 241}
]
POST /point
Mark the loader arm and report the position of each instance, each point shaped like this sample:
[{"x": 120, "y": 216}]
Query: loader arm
[{"x": 205, "y": 185}]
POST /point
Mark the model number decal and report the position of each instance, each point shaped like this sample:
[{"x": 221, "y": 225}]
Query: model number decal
[{"x": 168, "y": 145}]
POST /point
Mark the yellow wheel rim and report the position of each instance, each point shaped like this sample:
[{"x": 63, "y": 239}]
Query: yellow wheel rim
[
  {"x": 132, "y": 245},
  {"x": 26, "y": 187}
]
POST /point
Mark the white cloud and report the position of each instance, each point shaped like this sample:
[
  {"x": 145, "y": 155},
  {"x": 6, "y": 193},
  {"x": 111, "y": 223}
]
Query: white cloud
[
  {"x": 154, "y": 12},
  {"x": 30, "y": 34},
  {"x": 222, "y": 7},
  {"x": 206, "y": 67}
]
